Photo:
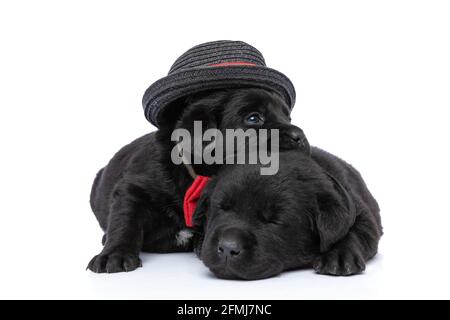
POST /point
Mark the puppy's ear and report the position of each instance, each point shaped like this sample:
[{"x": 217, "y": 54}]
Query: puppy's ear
[
  {"x": 335, "y": 217},
  {"x": 198, "y": 118},
  {"x": 203, "y": 205},
  {"x": 198, "y": 112}
]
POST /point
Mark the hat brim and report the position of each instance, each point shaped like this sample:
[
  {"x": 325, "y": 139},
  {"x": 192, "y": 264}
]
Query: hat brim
[{"x": 185, "y": 82}]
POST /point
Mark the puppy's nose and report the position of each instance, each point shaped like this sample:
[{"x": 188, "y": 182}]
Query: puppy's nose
[
  {"x": 229, "y": 248},
  {"x": 230, "y": 244},
  {"x": 296, "y": 134}
]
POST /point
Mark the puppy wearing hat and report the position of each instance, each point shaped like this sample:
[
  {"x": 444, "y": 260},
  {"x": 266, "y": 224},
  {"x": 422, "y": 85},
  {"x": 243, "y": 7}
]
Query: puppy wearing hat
[{"x": 141, "y": 198}]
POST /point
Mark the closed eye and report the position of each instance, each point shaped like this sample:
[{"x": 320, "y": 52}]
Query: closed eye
[
  {"x": 268, "y": 217},
  {"x": 276, "y": 222}
]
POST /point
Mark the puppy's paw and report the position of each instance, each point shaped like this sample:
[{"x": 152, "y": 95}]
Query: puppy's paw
[
  {"x": 340, "y": 262},
  {"x": 114, "y": 262}
]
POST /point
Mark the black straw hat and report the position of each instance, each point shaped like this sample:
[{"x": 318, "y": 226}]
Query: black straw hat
[{"x": 214, "y": 65}]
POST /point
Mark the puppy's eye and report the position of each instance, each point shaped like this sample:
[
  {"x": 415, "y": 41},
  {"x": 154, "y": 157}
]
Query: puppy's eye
[
  {"x": 269, "y": 217},
  {"x": 254, "y": 119}
]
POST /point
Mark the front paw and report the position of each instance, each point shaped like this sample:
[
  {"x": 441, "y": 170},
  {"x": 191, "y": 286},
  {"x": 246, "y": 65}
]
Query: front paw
[
  {"x": 114, "y": 262},
  {"x": 340, "y": 262}
]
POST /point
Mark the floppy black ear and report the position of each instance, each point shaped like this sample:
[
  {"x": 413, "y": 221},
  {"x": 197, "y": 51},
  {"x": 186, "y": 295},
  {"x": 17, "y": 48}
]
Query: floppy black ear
[
  {"x": 335, "y": 217},
  {"x": 198, "y": 112},
  {"x": 203, "y": 205},
  {"x": 198, "y": 118}
]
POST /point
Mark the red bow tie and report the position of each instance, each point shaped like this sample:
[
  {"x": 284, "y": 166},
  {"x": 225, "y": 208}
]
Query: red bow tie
[{"x": 191, "y": 198}]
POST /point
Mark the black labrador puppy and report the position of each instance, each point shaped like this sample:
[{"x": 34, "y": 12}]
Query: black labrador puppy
[
  {"x": 315, "y": 212},
  {"x": 138, "y": 197}
]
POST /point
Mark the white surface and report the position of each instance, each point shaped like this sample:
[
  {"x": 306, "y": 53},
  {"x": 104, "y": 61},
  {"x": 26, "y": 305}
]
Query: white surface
[{"x": 372, "y": 81}]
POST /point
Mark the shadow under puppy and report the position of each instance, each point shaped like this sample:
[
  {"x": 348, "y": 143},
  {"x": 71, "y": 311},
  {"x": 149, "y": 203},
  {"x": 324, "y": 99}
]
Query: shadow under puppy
[
  {"x": 315, "y": 212},
  {"x": 138, "y": 197}
]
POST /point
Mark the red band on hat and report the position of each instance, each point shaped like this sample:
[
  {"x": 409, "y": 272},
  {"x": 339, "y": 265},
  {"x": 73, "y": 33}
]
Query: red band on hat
[
  {"x": 191, "y": 198},
  {"x": 233, "y": 63}
]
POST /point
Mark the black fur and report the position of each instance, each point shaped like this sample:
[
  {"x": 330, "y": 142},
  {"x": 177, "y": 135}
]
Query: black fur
[
  {"x": 137, "y": 198},
  {"x": 315, "y": 212}
]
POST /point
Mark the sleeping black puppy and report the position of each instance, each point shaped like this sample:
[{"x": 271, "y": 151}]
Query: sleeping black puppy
[
  {"x": 315, "y": 212},
  {"x": 138, "y": 197}
]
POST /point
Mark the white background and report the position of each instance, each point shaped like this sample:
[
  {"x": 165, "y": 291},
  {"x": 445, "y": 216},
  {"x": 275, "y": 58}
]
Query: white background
[{"x": 373, "y": 87}]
